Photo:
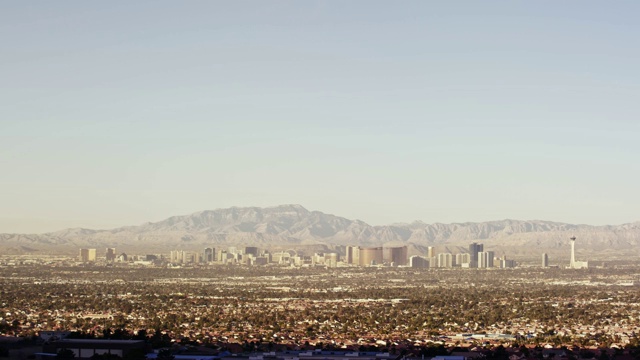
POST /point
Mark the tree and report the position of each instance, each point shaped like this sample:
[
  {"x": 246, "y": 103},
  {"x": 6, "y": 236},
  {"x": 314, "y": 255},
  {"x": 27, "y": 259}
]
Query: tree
[
  {"x": 500, "y": 353},
  {"x": 165, "y": 354},
  {"x": 65, "y": 354},
  {"x": 135, "y": 354},
  {"x": 141, "y": 335}
]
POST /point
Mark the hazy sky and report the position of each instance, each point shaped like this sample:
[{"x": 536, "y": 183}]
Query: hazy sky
[{"x": 119, "y": 112}]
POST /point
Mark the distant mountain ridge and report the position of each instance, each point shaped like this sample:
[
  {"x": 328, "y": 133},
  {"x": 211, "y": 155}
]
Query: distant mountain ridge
[{"x": 293, "y": 226}]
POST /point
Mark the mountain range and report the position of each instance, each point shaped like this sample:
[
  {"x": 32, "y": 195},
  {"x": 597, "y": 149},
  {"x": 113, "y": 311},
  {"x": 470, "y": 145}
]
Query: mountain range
[{"x": 294, "y": 227}]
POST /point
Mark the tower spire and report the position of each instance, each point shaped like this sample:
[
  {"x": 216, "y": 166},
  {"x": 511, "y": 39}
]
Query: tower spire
[{"x": 572, "y": 264}]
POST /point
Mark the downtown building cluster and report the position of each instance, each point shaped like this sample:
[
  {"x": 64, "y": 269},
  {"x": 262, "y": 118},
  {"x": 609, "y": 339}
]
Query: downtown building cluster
[
  {"x": 392, "y": 256},
  {"x": 110, "y": 256},
  {"x": 476, "y": 257},
  {"x": 91, "y": 255}
]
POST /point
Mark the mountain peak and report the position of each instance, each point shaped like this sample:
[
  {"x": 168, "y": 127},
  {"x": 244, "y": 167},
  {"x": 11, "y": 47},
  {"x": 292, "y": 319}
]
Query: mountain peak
[{"x": 290, "y": 225}]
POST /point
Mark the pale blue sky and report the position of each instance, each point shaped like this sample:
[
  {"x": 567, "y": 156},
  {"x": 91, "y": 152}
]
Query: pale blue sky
[{"x": 116, "y": 113}]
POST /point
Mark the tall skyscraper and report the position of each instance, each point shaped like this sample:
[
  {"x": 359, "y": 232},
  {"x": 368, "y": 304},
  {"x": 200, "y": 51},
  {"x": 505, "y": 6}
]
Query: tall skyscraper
[
  {"x": 395, "y": 255},
  {"x": 251, "y": 250},
  {"x": 418, "y": 262},
  {"x": 352, "y": 255},
  {"x": 485, "y": 259},
  {"x": 431, "y": 252},
  {"x": 463, "y": 260},
  {"x": 209, "y": 255},
  {"x": 490, "y": 257},
  {"x": 474, "y": 249},
  {"x": 481, "y": 263},
  {"x": 87, "y": 255},
  {"x": 111, "y": 254},
  {"x": 545, "y": 260},
  {"x": 370, "y": 256},
  {"x": 175, "y": 256}
]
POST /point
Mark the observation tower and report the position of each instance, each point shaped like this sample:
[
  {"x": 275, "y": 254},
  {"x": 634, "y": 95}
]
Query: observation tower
[{"x": 573, "y": 264}]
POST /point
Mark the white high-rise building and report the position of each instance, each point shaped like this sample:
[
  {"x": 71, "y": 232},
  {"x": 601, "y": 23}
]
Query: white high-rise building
[
  {"x": 445, "y": 260},
  {"x": 462, "y": 259},
  {"x": 485, "y": 259},
  {"x": 545, "y": 260}
]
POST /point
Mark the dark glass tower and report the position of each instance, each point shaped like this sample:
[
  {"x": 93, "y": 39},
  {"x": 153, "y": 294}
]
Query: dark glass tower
[{"x": 474, "y": 249}]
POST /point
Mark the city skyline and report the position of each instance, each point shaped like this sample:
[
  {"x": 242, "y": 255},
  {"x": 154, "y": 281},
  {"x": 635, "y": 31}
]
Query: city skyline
[
  {"x": 475, "y": 256},
  {"x": 295, "y": 227},
  {"x": 284, "y": 180},
  {"x": 349, "y": 255}
]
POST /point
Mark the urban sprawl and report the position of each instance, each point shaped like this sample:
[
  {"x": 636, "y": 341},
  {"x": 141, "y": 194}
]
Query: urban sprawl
[{"x": 207, "y": 305}]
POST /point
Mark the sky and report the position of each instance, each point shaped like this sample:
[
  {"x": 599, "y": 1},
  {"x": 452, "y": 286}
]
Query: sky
[{"x": 118, "y": 113}]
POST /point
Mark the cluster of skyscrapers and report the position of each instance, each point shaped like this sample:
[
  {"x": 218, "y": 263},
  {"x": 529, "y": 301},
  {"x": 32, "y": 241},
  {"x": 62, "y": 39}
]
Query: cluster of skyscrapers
[
  {"x": 250, "y": 255},
  {"x": 355, "y": 255},
  {"x": 476, "y": 257},
  {"x": 91, "y": 255}
]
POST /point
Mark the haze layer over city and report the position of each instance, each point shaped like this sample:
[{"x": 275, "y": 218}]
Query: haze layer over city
[{"x": 331, "y": 180}]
